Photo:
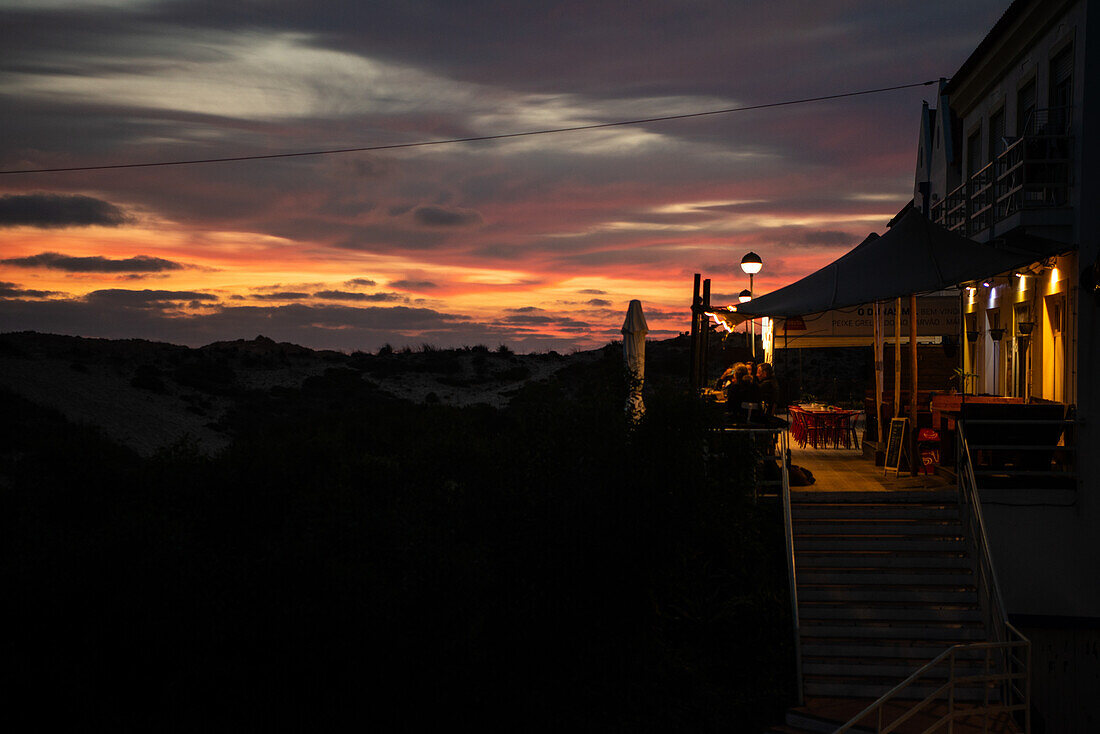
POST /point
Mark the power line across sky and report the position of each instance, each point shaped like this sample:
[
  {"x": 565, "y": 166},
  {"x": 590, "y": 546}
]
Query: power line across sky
[{"x": 473, "y": 139}]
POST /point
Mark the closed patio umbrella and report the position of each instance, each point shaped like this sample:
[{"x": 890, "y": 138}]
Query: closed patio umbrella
[{"x": 634, "y": 331}]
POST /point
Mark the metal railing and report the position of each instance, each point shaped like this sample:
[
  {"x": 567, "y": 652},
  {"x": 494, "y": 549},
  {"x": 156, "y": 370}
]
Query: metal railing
[
  {"x": 788, "y": 534},
  {"x": 1033, "y": 172},
  {"x": 954, "y": 700},
  {"x": 1001, "y": 691}
]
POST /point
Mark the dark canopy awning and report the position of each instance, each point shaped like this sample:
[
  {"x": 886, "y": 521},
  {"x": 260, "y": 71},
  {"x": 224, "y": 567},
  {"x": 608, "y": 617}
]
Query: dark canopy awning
[{"x": 914, "y": 256}]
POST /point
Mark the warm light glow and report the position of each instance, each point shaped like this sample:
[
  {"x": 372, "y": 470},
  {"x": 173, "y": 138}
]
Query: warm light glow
[
  {"x": 744, "y": 296},
  {"x": 751, "y": 263},
  {"x": 1023, "y": 282},
  {"x": 720, "y": 322}
]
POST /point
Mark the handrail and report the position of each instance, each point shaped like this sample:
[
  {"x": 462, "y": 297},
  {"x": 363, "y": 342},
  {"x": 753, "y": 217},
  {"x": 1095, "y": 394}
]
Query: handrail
[
  {"x": 953, "y": 680},
  {"x": 968, "y": 494},
  {"x": 788, "y": 532},
  {"x": 1007, "y": 667}
]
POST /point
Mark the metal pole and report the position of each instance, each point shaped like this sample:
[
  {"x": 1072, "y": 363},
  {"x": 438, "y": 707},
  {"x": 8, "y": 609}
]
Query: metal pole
[
  {"x": 705, "y": 334},
  {"x": 752, "y": 324}
]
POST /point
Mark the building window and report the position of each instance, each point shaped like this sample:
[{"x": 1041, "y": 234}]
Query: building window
[
  {"x": 974, "y": 152},
  {"x": 1061, "y": 90},
  {"x": 1025, "y": 109},
  {"x": 996, "y": 133}
]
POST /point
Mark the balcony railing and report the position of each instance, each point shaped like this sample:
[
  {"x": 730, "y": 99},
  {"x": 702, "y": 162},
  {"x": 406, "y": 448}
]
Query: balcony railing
[{"x": 1033, "y": 172}]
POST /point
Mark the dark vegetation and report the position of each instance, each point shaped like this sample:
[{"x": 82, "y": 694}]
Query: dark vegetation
[{"x": 356, "y": 560}]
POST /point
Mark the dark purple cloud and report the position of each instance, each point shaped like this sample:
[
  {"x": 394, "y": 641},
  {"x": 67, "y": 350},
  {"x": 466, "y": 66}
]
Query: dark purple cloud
[
  {"x": 144, "y": 298},
  {"x": 355, "y": 296},
  {"x": 51, "y": 211},
  {"x": 414, "y": 285},
  {"x": 437, "y": 216},
  {"x": 281, "y": 296},
  {"x": 12, "y": 290},
  {"x": 93, "y": 264},
  {"x": 322, "y": 326}
]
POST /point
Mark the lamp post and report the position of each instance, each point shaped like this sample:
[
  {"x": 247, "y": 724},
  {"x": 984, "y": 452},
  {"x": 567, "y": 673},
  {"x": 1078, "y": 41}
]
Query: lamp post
[{"x": 751, "y": 264}]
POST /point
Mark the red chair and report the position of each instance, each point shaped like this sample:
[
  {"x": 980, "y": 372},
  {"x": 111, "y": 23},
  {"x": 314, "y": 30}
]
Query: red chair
[
  {"x": 844, "y": 427},
  {"x": 816, "y": 430},
  {"x": 798, "y": 425}
]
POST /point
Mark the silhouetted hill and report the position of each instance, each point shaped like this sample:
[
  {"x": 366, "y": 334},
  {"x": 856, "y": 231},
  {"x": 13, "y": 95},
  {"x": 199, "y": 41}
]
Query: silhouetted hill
[{"x": 354, "y": 558}]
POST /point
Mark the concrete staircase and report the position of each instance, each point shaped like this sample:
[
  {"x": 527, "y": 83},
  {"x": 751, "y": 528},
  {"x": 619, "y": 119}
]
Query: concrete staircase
[{"x": 885, "y": 583}]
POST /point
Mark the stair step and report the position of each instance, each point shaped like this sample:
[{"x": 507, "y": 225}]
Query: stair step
[
  {"x": 926, "y": 631},
  {"x": 874, "y": 577},
  {"x": 957, "y": 595},
  {"x": 918, "y": 652},
  {"x": 896, "y": 670},
  {"x": 856, "y": 689},
  {"x": 876, "y": 512},
  {"x": 885, "y": 614},
  {"x": 799, "y": 721},
  {"x": 859, "y": 559},
  {"x": 877, "y": 543},
  {"x": 940, "y": 496},
  {"x": 949, "y": 529}
]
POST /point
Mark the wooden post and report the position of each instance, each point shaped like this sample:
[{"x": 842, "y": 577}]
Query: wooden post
[
  {"x": 695, "y": 303},
  {"x": 704, "y": 326},
  {"x": 913, "y": 456},
  {"x": 876, "y": 315},
  {"x": 897, "y": 358}
]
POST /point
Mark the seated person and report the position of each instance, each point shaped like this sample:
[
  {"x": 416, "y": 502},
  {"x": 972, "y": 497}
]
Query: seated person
[
  {"x": 726, "y": 378},
  {"x": 769, "y": 387},
  {"x": 742, "y": 396}
]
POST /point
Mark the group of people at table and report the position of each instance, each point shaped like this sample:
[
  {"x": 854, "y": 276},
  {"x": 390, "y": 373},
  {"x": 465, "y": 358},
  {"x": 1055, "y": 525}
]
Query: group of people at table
[{"x": 752, "y": 396}]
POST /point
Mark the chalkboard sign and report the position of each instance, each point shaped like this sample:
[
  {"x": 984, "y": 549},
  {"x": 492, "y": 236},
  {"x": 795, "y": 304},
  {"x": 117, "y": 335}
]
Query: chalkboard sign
[{"x": 895, "y": 444}]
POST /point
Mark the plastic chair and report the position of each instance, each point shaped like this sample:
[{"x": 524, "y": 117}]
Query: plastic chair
[{"x": 798, "y": 425}]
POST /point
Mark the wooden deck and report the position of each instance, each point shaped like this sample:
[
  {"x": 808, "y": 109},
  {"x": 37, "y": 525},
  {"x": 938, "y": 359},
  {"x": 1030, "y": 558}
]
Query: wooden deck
[{"x": 847, "y": 470}]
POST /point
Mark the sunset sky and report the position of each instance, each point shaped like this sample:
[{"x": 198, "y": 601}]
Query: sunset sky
[{"x": 538, "y": 242}]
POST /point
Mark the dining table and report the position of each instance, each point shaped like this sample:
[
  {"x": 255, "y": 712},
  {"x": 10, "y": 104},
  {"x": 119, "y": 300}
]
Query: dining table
[{"x": 823, "y": 426}]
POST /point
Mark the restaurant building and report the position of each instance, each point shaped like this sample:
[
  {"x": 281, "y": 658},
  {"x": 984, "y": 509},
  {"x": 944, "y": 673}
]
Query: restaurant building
[
  {"x": 1009, "y": 155},
  {"x": 1006, "y": 208},
  {"x": 1006, "y": 159}
]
